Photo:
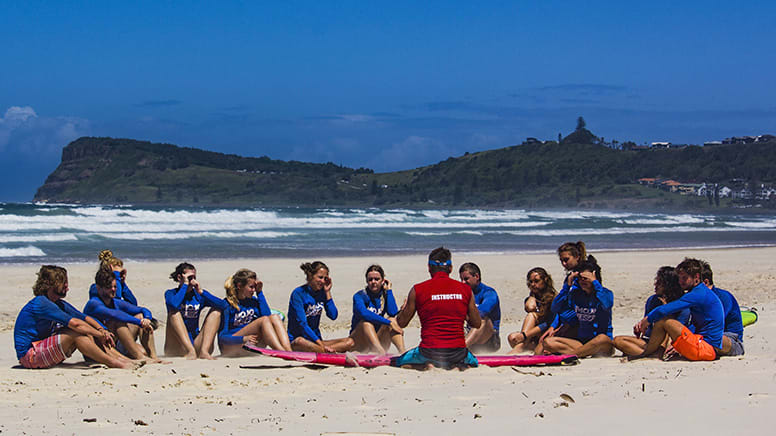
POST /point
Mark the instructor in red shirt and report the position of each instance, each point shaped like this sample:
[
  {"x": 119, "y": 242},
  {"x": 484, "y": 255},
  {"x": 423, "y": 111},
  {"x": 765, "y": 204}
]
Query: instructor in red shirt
[{"x": 443, "y": 305}]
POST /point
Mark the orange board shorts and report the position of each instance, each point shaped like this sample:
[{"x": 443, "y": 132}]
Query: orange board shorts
[
  {"x": 693, "y": 347},
  {"x": 44, "y": 353}
]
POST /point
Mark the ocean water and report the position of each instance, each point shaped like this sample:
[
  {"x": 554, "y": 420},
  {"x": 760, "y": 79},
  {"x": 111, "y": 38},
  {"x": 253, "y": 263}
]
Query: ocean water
[{"x": 36, "y": 233}]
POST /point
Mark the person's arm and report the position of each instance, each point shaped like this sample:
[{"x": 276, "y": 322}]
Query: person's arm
[
  {"x": 560, "y": 302},
  {"x": 489, "y": 301},
  {"x": 408, "y": 311},
  {"x": 331, "y": 309},
  {"x": 473, "y": 317},
  {"x": 127, "y": 294},
  {"x": 390, "y": 303},
  {"x": 361, "y": 307},
  {"x": 604, "y": 296},
  {"x": 132, "y": 309},
  {"x": 299, "y": 317},
  {"x": 95, "y": 307},
  {"x": 173, "y": 298},
  {"x": 661, "y": 312},
  {"x": 211, "y": 300},
  {"x": 226, "y": 335},
  {"x": 264, "y": 309}
]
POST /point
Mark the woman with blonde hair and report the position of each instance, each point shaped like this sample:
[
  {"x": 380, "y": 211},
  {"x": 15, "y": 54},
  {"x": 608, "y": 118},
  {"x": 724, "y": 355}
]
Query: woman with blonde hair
[
  {"x": 305, "y": 306},
  {"x": 113, "y": 263},
  {"x": 247, "y": 317}
]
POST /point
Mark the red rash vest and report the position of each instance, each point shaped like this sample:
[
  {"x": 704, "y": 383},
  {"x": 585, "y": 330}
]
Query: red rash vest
[{"x": 442, "y": 304}]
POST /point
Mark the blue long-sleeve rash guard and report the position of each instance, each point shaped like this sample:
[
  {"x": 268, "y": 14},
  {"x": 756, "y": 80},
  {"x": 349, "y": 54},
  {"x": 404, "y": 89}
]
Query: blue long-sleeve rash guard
[
  {"x": 593, "y": 312},
  {"x": 235, "y": 319},
  {"x": 373, "y": 308},
  {"x": 304, "y": 313},
  {"x": 121, "y": 311},
  {"x": 39, "y": 319},
  {"x": 564, "y": 313},
  {"x": 705, "y": 308},
  {"x": 732, "y": 312},
  {"x": 487, "y": 303},
  {"x": 654, "y": 301},
  {"x": 122, "y": 290},
  {"x": 190, "y": 304}
]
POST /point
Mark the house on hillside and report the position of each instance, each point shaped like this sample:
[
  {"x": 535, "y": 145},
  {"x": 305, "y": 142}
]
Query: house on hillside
[
  {"x": 670, "y": 185},
  {"x": 647, "y": 181},
  {"x": 658, "y": 145},
  {"x": 712, "y": 143}
]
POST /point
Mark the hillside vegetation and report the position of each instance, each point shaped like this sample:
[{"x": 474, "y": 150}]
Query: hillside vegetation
[{"x": 107, "y": 170}]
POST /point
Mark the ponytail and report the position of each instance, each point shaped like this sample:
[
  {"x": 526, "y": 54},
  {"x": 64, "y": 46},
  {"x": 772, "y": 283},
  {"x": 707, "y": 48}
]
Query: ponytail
[{"x": 236, "y": 281}]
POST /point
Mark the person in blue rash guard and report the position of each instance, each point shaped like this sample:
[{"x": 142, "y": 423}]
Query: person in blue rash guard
[
  {"x": 374, "y": 326},
  {"x": 707, "y": 341},
  {"x": 127, "y": 321},
  {"x": 570, "y": 255},
  {"x": 538, "y": 311},
  {"x": 184, "y": 306},
  {"x": 108, "y": 260},
  {"x": 305, "y": 306},
  {"x": 667, "y": 289},
  {"x": 48, "y": 329},
  {"x": 734, "y": 326},
  {"x": 592, "y": 304},
  {"x": 247, "y": 317},
  {"x": 486, "y": 337}
]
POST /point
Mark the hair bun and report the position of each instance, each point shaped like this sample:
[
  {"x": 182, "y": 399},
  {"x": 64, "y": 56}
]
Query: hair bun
[{"x": 105, "y": 255}]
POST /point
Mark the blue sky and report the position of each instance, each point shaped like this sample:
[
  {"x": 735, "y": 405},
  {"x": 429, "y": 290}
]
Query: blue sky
[{"x": 390, "y": 85}]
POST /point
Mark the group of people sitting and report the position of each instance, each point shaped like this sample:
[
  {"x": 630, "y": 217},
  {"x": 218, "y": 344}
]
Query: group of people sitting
[{"x": 687, "y": 315}]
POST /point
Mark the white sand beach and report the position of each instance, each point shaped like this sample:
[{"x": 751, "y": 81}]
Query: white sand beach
[{"x": 260, "y": 394}]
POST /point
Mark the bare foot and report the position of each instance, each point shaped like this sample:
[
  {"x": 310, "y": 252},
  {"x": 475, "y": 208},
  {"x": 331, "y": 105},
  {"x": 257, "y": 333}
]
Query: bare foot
[
  {"x": 206, "y": 356},
  {"x": 191, "y": 356}
]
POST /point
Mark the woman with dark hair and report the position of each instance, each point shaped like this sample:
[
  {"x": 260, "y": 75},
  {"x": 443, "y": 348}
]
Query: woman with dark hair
[
  {"x": 537, "y": 307},
  {"x": 374, "y": 326},
  {"x": 305, "y": 306},
  {"x": 248, "y": 318},
  {"x": 184, "y": 306},
  {"x": 591, "y": 306},
  {"x": 667, "y": 289}
]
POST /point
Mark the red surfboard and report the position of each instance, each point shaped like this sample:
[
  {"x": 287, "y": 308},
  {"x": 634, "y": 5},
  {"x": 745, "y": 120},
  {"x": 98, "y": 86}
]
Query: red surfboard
[{"x": 373, "y": 360}]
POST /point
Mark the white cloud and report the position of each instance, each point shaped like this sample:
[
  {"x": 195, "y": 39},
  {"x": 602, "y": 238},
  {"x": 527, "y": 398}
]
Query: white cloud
[{"x": 24, "y": 132}]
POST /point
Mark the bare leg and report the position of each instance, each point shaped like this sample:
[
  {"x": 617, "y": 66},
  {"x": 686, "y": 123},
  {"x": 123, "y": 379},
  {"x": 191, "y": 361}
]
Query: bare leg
[
  {"x": 339, "y": 345},
  {"x": 127, "y": 334},
  {"x": 365, "y": 338},
  {"x": 630, "y": 345},
  {"x": 387, "y": 336},
  {"x": 204, "y": 343},
  {"x": 600, "y": 345},
  {"x": 71, "y": 341},
  {"x": 147, "y": 341},
  {"x": 558, "y": 345},
  {"x": 480, "y": 335},
  {"x": 665, "y": 328},
  {"x": 177, "y": 342},
  {"x": 280, "y": 332}
]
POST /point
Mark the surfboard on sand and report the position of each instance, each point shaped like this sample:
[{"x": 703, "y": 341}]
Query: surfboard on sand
[
  {"x": 373, "y": 360},
  {"x": 748, "y": 315}
]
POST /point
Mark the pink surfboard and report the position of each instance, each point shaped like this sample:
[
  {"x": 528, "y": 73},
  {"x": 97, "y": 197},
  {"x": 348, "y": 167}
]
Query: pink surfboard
[{"x": 372, "y": 360}]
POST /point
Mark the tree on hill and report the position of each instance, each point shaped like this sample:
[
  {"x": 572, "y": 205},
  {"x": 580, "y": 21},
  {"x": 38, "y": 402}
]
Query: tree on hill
[{"x": 580, "y": 135}]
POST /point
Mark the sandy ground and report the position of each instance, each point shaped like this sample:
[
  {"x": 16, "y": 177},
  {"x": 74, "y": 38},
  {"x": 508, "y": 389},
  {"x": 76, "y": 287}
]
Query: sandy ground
[{"x": 260, "y": 394}]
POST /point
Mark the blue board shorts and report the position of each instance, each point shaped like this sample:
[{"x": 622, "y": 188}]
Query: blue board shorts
[{"x": 440, "y": 357}]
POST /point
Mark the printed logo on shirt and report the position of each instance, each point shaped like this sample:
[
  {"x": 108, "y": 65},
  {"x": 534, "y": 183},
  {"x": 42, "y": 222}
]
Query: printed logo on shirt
[
  {"x": 438, "y": 297},
  {"x": 585, "y": 314},
  {"x": 313, "y": 309},
  {"x": 244, "y": 317},
  {"x": 190, "y": 311}
]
